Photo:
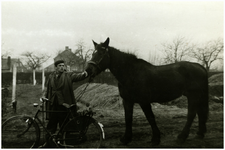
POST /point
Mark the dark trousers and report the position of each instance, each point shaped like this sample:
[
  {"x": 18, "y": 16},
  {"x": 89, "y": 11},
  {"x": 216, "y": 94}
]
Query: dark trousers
[{"x": 56, "y": 118}]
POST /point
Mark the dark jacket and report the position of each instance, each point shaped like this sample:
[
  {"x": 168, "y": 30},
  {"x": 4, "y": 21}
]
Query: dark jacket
[{"x": 64, "y": 88}]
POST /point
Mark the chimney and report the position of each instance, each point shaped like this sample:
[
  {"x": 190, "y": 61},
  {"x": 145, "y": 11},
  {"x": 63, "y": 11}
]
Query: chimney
[
  {"x": 9, "y": 62},
  {"x": 67, "y": 48}
]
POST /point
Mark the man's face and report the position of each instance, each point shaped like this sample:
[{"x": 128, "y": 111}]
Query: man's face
[{"x": 60, "y": 67}]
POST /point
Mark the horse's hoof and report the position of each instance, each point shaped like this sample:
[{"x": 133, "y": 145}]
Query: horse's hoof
[
  {"x": 180, "y": 140},
  {"x": 125, "y": 141},
  {"x": 154, "y": 143}
]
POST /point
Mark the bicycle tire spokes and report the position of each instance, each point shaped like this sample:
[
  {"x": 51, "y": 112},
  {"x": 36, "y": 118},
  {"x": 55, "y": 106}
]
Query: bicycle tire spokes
[
  {"x": 82, "y": 132},
  {"x": 19, "y": 132}
]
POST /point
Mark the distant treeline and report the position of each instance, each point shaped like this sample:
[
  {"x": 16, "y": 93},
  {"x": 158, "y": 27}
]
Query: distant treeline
[{"x": 27, "y": 78}]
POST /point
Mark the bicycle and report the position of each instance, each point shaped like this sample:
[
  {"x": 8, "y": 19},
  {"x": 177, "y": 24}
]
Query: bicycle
[{"x": 81, "y": 131}]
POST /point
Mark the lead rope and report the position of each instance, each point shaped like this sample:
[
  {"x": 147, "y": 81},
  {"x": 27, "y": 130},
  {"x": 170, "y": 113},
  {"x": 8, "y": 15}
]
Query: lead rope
[{"x": 84, "y": 89}]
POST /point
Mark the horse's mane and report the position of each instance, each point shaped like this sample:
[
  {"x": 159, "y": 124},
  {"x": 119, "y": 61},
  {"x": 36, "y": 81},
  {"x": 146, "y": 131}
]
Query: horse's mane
[
  {"x": 125, "y": 55},
  {"x": 131, "y": 57}
]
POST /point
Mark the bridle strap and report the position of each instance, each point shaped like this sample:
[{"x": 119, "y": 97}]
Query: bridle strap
[
  {"x": 97, "y": 63},
  {"x": 93, "y": 63}
]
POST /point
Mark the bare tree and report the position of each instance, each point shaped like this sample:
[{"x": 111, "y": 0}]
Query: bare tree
[
  {"x": 178, "y": 50},
  {"x": 209, "y": 53},
  {"x": 34, "y": 61},
  {"x": 82, "y": 53}
]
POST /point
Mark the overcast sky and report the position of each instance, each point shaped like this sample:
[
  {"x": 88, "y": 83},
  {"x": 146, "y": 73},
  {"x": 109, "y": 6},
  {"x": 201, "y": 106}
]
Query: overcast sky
[{"x": 47, "y": 26}]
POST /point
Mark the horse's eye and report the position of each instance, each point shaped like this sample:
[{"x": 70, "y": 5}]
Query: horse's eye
[{"x": 101, "y": 51}]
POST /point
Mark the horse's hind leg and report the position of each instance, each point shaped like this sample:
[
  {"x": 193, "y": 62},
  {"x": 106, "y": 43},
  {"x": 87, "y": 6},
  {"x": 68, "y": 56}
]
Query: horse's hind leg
[
  {"x": 193, "y": 101},
  {"x": 128, "y": 107},
  {"x": 147, "y": 109}
]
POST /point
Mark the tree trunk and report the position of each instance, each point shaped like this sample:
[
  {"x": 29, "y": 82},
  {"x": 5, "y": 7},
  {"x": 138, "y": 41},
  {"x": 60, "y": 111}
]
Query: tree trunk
[{"x": 207, "y": 67}]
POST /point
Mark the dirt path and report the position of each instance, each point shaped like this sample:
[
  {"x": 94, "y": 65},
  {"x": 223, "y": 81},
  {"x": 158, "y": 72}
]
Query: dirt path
[{"x": 170, "y": 121}]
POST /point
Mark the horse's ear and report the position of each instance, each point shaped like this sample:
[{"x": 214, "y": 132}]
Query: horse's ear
[
  {"x": 106, "y": 43},
  {"x": 95, "y": 44}
]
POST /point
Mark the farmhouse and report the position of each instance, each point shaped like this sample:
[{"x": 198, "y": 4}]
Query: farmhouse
[
  {"x": 72, "y": 61},
  {"x": 7, "y": 65}
]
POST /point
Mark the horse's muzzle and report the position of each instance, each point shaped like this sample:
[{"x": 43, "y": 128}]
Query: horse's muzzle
[{"x": 93, "y": 68}]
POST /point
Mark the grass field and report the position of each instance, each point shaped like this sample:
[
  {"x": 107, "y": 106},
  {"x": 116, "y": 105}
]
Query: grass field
[
  {"x": 26, "y": 95},
  {"x": 108, "y": 106}
]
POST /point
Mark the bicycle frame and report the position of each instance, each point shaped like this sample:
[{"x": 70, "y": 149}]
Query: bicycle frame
[
  {"x": 69, "y": 116},
  {"x": 76, "y": 128},
  {"x": 38, "y": 120}
]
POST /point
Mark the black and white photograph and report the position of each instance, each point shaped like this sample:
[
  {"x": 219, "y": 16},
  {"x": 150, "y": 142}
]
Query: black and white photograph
[{"x": 112, "y": 74}]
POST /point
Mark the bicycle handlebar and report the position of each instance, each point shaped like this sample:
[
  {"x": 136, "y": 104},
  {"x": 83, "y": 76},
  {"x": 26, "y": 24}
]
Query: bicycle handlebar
[
  {"x": 87, "y": 112},
  {"x": 43, "y": 99}
]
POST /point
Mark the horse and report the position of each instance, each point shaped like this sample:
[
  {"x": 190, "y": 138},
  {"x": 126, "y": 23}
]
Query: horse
[{"x": 143, "y": 83}]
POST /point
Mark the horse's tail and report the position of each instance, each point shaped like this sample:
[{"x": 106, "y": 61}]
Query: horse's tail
[
  {"x": 203, "y": 108},
  {"x": 205, "y": 98}
]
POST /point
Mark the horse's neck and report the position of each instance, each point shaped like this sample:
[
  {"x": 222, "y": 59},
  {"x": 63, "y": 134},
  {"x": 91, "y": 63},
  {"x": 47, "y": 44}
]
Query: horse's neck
[{"x": 120, "y": 64}]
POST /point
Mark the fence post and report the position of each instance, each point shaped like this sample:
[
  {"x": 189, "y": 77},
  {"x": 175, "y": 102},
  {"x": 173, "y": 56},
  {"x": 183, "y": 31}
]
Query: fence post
[
  {"x": 43, "y": 104},
  {"x": 34, "y": 78},
  {"x": 43, "y": 79},
  {"x": 14, "y": 102}
]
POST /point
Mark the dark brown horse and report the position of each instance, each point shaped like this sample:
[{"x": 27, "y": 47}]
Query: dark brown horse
[{"x": 143, "y": 83}]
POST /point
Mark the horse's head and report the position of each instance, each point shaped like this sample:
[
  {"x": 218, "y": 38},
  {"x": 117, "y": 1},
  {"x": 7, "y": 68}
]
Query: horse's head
[{"x": 100, "y": 58}]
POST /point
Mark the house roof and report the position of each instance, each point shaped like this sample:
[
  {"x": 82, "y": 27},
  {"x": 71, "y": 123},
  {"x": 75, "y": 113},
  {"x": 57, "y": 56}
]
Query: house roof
[
  {"x": 52, "y": 66},
  {"x": 5, "y": 64},
  {"x": 67, "y": 55},
  {"x": 70, "y": 58}
]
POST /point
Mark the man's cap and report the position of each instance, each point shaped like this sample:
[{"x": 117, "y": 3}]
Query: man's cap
[{"x": 59, "y": 62}]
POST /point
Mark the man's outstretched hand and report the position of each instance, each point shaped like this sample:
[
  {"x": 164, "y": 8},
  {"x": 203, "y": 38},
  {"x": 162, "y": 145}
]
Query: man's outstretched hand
[{"x": 89, "y": 72}]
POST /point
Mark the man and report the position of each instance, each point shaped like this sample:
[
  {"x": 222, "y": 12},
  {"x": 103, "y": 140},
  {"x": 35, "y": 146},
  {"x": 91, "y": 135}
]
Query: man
[{"x": 60, "y": 94}]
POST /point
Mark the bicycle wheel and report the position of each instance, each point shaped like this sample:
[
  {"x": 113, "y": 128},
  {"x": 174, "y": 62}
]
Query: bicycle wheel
[
  {"x": 20, "y": 132},
  {"x": 83, "y": 132}
]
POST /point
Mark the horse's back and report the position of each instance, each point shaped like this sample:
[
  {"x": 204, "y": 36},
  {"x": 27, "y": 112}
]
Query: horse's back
[
  {"x": 165, "y": 82},
  {"x": 168, "y": 82},
  {"x": 192, "y": 69},
  {"x": 188, "y": 70},
  {"x": 196, "y": 76}
]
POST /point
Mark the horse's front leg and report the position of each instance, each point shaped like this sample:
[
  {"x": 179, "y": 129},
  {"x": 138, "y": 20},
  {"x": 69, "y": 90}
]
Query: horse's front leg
[
  {"x": 147, "y": 109},
  {"x": 128, "y": 108}
]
